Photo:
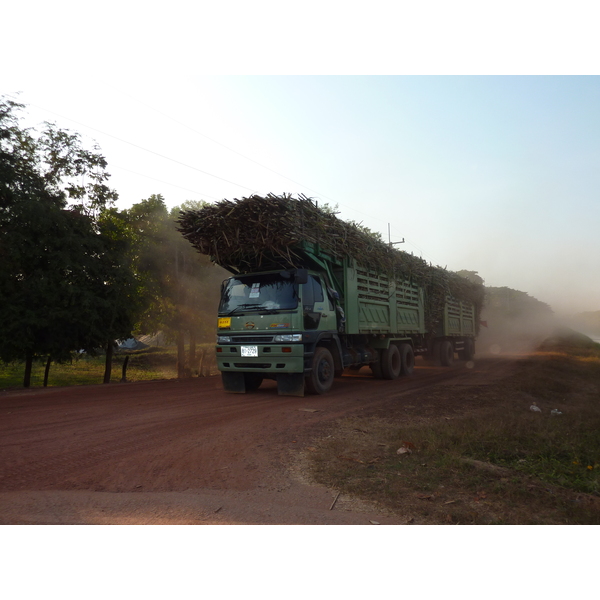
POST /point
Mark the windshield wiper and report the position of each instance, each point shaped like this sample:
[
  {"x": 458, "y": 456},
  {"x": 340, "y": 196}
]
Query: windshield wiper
[
  {"x": 257, "y": 308},
  {"x": 241, "y": 307}
]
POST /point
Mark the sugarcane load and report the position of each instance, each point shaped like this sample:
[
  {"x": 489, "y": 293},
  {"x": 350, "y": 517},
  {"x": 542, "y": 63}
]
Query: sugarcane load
[{"x": 311, "y": 295}]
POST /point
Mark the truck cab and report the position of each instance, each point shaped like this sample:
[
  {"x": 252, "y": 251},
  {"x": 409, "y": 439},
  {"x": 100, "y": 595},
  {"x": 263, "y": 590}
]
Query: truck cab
[
  {"x": 294, "y": 327},
  {"x": 269, "y": 324}
]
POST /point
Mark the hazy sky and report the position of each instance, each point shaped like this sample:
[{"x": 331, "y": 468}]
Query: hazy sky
[{"x": 498, "y": 174}]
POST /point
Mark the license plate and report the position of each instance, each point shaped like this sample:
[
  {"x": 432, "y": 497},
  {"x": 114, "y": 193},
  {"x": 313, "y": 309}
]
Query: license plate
[
  {"x": 224, "y": 322},
  {"x": 249, "y": 350}
]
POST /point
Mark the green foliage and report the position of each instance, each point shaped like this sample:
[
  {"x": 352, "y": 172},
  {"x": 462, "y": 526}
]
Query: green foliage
[
  {"x": 75, "y": 272},
  {"x": 63, "y": 286},
  {"x": 73, "y": 172},
  {"x": 180, "y": 286},
  {"x": 187, "y": 205},
  {"x": 472, "y": 276}
]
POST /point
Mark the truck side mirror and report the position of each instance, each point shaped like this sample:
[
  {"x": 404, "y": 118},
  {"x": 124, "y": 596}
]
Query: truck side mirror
[{"x": 301, "y": 276}]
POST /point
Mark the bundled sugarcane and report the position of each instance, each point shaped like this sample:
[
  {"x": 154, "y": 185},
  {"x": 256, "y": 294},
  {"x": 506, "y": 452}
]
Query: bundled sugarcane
[{"x": 266, "y": 232}]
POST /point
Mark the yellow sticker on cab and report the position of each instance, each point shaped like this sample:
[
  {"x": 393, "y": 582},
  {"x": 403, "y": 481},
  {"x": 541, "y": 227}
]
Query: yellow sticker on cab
[{"x": 224, "y": 322}]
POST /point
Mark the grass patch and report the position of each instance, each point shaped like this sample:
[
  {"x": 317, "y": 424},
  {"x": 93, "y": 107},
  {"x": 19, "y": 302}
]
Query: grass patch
[
  {"x": 497, "y": 463},
  {"x": 143, "y": 365}
]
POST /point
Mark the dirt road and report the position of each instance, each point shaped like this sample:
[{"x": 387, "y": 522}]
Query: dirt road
[{"x": 185, "y": 452}]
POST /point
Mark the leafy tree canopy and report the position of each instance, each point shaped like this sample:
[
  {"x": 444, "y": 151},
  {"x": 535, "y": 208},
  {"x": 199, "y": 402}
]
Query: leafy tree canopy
[{"x": 61, "y": 281}]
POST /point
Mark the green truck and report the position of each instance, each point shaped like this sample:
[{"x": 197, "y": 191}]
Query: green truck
[{"x": 320, "y": 311}]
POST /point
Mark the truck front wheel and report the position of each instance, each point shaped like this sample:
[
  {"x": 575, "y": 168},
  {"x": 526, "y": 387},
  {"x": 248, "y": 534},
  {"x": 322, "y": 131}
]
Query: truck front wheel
[
  {"x": 321, "y": 377},
  {"x": 391, "y": 362}
]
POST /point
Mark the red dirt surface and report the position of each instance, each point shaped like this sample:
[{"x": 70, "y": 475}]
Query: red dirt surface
[{"x": 186, "y": 452}]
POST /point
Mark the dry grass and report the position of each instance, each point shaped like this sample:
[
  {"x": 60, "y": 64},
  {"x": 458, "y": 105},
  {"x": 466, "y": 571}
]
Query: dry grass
[{"x": 496, "y": 463}]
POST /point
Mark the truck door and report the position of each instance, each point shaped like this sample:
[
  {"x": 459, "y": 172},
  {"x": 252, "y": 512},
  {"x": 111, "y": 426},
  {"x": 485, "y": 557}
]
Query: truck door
[{"x": 318, "y": 309}]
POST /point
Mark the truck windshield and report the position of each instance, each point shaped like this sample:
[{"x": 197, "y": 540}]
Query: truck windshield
[{"x": 259, "y": 292}]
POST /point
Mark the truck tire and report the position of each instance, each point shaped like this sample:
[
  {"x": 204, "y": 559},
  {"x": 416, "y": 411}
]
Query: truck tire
[
  {"x": 252, "y": 381},
  {"x": 446, "y": 353},
  {"x": 391, "y": 362},
  {"x": 407, "y": 356},
  {"x": 320, "y": 379},
  {"x": 469, "y": 349}
]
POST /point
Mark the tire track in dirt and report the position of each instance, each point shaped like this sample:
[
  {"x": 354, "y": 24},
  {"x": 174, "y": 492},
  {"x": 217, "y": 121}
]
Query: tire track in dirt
[
  {"x": 139, "y": 439},
  {"x": 178, "y": 435}
]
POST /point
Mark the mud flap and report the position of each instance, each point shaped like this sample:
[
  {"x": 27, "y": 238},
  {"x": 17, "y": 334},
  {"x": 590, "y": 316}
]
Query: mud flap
[
  {"x": 233, "y": 382},
  {"x": 290, "y": 384}
]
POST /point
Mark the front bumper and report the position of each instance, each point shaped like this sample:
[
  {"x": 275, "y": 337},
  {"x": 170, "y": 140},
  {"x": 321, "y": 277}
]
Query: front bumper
[{"x": 271, "y": 358}]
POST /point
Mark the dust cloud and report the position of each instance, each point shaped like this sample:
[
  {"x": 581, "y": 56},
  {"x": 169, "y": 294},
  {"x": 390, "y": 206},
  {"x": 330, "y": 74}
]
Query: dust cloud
[
  {"x": 513, "y": 334},
  {"x": 512, "y": 322},
  {"x": 518, "y": 323}
]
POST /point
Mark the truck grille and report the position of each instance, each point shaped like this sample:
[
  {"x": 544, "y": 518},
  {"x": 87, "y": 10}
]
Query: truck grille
[{"x": 255, "y": 339}]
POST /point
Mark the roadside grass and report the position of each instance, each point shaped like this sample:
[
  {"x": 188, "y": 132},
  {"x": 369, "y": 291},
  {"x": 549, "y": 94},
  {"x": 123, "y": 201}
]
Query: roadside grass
[
  {"x": 497, "y": 463},
  {"x": 143, "y": 365}
]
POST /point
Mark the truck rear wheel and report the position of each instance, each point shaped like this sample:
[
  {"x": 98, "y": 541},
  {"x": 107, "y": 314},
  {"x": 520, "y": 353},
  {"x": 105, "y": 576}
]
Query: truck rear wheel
[
  {"x": 391, "y": 362},
  {"x": 446, "y": 353},
  {"x": 469, "y": 350},
  {"x": 321, "y": 377},
  {"x": 407, "y": 356}
]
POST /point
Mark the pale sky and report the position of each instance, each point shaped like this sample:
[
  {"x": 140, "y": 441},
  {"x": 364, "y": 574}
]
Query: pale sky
[{"x": 477, "y": 150}]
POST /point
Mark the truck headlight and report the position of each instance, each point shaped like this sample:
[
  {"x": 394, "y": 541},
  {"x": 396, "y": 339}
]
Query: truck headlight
[
  {"x": 223, "y": 339},
  {"x": 290, "y": 337}
]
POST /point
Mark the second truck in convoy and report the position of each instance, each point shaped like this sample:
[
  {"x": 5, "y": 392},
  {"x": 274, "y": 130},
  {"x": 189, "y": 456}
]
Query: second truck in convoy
[{"x": 301, "y": 313}]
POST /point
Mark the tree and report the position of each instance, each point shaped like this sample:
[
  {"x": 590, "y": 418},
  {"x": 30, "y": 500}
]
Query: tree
[
  {"x": 515, "y": 304},
  {"x": 28, "y": 211},
  {"x": 148, "y": 222},
  {"x": 180, "y": 286},
  {"x": 59, "y": 272},
  {"x": 472, "y": 276},
  {"x": 117, "y": 285}
]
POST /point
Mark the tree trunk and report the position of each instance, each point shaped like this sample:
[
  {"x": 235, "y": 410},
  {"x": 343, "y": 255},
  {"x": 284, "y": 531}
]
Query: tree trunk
[
  {"x": 47, "y": 371},
  {"x": 201, "y": 369},
  {"x": 192, "y": 363},
  {"x": 124, "y": 370},
  {"x": 108, "y": 363},
  {"x": 28, "y": 365},
  {"x": 180, "y": 355}
]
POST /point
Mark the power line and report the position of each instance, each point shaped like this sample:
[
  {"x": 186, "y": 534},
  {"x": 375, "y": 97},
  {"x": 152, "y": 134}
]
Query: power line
[
  {"x": 248, "y": 158},
  {"x": 370, "y": 216},
  {"x": 233, "y": 150},
  {"x": 144, "y": 149},
  {"x": 215, "y": 141},
  {"x": 165, "y": 182}
]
